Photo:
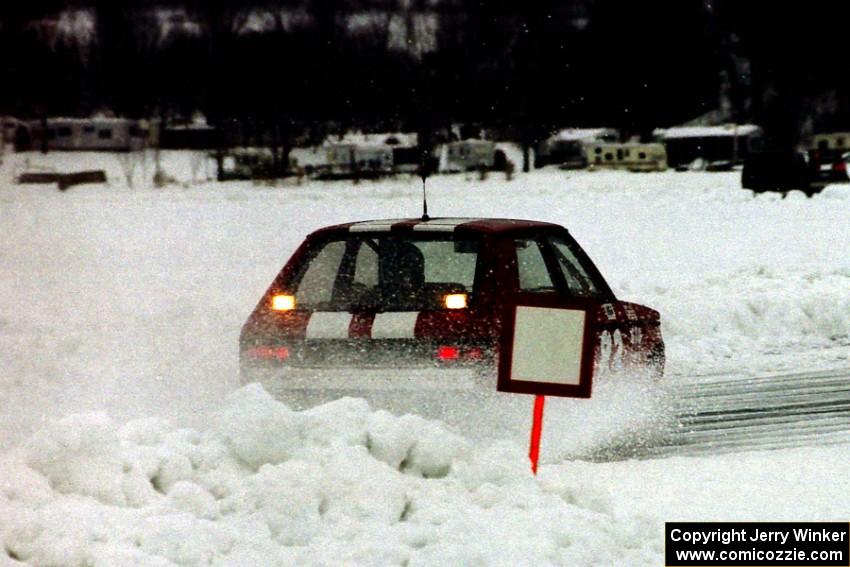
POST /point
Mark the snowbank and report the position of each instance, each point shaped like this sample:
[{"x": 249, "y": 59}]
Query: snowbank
[
  {"x": 836, "y": 192},
  {"x": 343, "y": 484},
  {"x": 265, "y": 485},
  {"x": 123, "y": 170},
  {"x": 758, "y": 318}
]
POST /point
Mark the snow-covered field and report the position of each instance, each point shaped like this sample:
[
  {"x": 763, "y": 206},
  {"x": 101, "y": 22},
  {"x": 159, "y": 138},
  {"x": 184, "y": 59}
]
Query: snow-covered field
[{"x": 128, "y": 442}]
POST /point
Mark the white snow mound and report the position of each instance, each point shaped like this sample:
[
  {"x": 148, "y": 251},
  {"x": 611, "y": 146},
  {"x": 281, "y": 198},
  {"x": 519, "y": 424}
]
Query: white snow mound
[
  {"x": 338, "y": 484},
  {"x": 755, "y": 312}
]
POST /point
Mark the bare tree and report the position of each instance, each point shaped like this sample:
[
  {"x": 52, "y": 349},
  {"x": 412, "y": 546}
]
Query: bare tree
[{"x": 222, "y": 21}]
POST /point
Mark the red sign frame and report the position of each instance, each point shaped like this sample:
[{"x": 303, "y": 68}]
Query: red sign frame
[{"x": 506, "y": 345}]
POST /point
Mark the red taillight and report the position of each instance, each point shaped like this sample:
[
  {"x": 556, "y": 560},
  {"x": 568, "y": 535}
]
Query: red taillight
[
  {"x": 839, "y": 166},
  {"x": 448, "y": 353},
  {"x": 279, "y": 353}
]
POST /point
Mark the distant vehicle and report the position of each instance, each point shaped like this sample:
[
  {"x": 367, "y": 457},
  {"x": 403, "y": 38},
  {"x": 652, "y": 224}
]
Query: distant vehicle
[
  {"x": 827, "y": 169},
  {"x": 249, "y": 163},
  {"x": 470, "y": 155},
  {"x": 826, "y": 161},
  {"x": 428, "y": 294},
  {"x": 715, "y": 146},
  {"x": 781, "y": 171},
  {"x": 629, "y": 156},
  {"x": 568, "y": 154},
  {"x": 567, "y": 148},
  {"x": 88, "y": 134}
]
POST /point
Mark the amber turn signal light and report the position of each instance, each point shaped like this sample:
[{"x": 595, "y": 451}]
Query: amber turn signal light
[
  {"x": 283, "y": 302},
  {"x": 455, "y": 301}
]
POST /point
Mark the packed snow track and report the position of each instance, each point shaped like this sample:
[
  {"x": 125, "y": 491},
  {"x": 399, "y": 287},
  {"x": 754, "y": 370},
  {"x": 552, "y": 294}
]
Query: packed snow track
[{"x": 734, "y": 413}]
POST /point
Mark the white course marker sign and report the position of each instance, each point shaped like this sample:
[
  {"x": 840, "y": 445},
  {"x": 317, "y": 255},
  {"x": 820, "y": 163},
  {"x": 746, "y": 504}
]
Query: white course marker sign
[
  {"x": 546, "y": 349},
  {"x": 547, "y": 345}
]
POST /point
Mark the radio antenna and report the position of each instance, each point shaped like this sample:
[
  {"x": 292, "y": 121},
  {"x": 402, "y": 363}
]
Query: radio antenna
[
  {"x": 424, "y": 202},
  {"x": 423, "y": 171}
]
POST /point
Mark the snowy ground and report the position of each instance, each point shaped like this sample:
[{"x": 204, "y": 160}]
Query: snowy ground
[{"x": 128, "y": 301}]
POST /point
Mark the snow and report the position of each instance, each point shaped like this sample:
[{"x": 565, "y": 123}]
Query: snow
[
  {"x": 350, "y": 485},
  {"x": 584, "y": 134},
  {"x": 726, "y": 130},
  {"x": 127, "y": 439},
  {"x": 94, "y": 120},
  {"x": 404, "y": 139}
]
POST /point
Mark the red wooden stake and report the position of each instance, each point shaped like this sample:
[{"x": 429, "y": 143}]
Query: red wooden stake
[{"x": 536, "y": 431}]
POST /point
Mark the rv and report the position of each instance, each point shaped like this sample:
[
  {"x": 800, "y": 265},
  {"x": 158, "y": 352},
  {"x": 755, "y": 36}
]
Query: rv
[
  {"x": 838, "y": 142},
  {"x": 344, "y": 160},
  {"x": 470, "y": 155},
  {"x": 88, "y": 134},
  {"x": 628, "y": 156},
  {"x": 712, "y": 145},
  {"x": 566, "y": 148}
]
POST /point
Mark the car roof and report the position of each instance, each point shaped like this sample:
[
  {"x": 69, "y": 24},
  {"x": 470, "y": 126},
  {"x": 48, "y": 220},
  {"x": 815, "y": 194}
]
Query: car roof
[{"x": 437, "y": 225}]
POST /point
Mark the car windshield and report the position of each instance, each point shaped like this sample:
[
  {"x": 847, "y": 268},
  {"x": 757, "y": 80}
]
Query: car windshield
[{"x": 384, "y": 272}]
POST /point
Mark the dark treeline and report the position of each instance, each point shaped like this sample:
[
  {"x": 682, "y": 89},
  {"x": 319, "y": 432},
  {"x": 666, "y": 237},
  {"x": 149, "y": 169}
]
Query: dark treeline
[{"x": 283, "y": 67}]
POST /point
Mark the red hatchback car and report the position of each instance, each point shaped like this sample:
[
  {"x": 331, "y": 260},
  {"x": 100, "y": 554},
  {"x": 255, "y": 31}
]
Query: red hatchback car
[{"x": 429, "y": 293}]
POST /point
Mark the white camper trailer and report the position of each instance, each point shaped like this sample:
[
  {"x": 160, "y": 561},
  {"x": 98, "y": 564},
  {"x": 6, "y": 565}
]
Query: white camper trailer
[
  {"x": 89, "y": 134},
  {"x": 630, "y": 156},
  {"x": 468, "y": 155}
]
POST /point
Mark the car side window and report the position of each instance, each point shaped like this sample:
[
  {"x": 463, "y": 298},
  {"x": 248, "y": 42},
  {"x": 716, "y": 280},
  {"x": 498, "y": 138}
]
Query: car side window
[
  {"x": 533, "y": 273},
  {"x": 317, "y": 284},
  {"x": 578, "y": 280},
  {"x": 366, "y": 266}
]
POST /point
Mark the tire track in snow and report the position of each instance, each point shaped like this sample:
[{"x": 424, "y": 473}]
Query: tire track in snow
[{"x": 732, "y": 414}]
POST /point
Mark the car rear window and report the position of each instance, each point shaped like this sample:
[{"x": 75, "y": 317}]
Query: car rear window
[{"x": 386, "y": 272}]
